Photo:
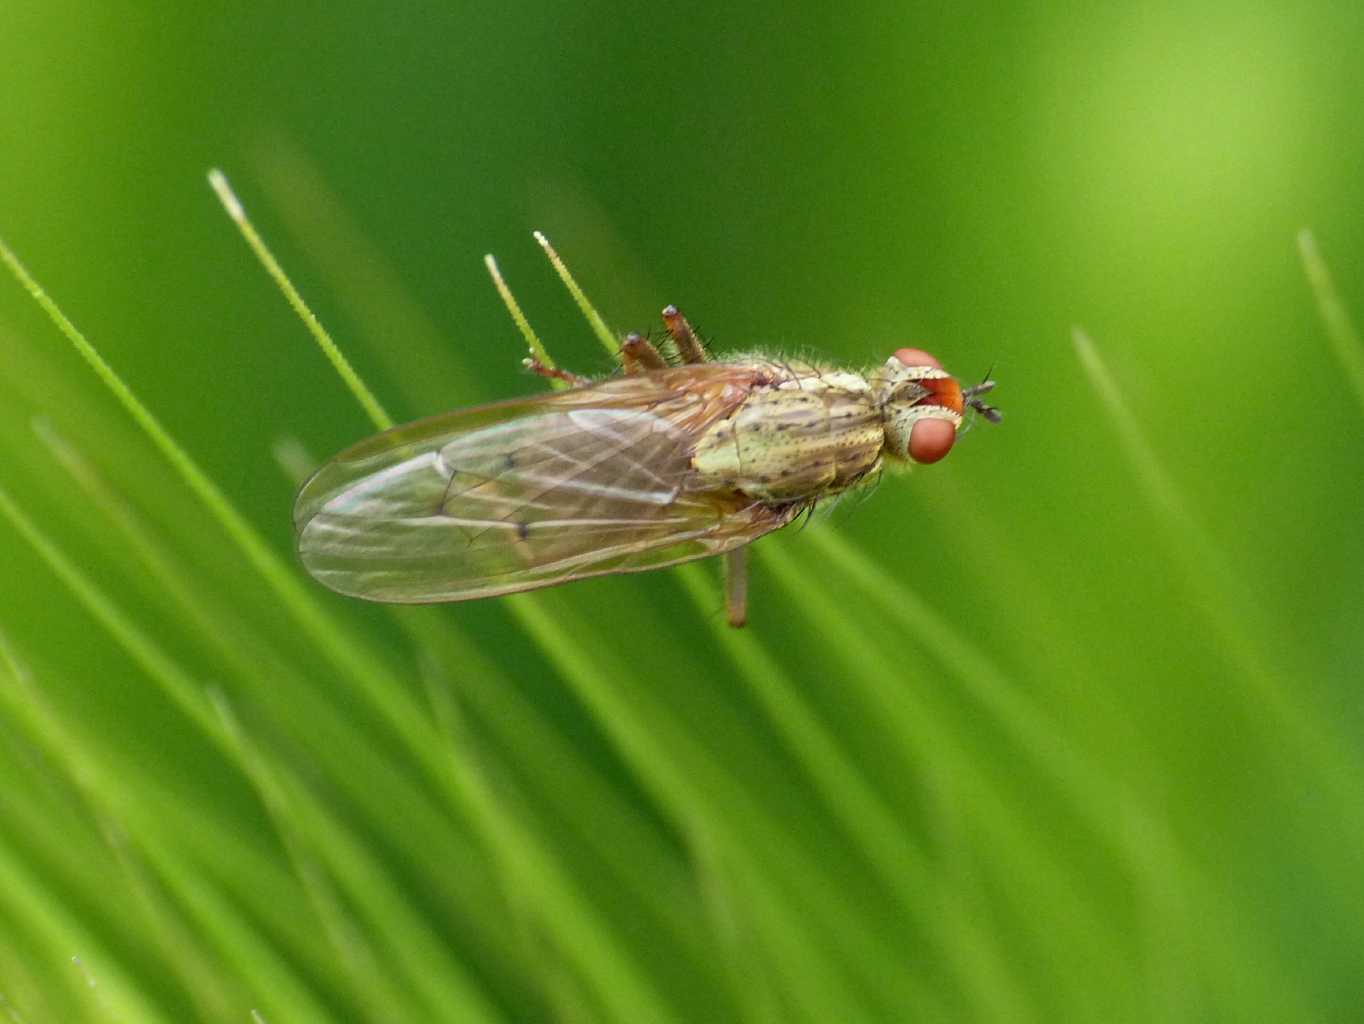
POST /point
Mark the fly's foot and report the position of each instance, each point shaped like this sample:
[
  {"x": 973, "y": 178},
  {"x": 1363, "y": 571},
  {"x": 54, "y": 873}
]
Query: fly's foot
[{"x": 554, "y": 373}]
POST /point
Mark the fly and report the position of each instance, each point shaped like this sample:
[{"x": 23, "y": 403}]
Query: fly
[{"x": 669, "y": 461}]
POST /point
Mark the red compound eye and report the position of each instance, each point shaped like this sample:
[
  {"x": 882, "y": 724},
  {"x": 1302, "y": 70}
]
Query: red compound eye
[
  {"x": 930, "y": 440},
  {"x": 917, "y": 357}
]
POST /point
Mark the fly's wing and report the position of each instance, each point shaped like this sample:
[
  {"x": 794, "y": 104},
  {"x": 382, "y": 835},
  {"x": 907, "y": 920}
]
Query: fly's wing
[{"x": 529, "y": 493}]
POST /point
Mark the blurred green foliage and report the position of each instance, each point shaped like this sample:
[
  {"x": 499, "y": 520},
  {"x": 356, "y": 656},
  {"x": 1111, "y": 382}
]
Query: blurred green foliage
[{"x": 1063, "y": 728}]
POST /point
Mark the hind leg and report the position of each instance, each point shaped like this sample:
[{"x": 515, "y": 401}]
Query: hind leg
[
  {"x": 688, "y": 347},
  {"x": 638, "y": 355},
  {"x": 736, "y": 561}
]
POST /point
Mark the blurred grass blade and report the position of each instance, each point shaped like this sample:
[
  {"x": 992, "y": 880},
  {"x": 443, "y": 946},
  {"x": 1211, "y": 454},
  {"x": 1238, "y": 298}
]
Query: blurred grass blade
[
  {"x": 126, "y": 807},
  {"x": 1237, "y": 623},
  {"x": 1222, "y": 597},
  {"x": 1340, "y": 329},
  {"x": 890, "y": 851},
  {"x": 426, "y": 983},
  {"x": 705, "y": 802},
  {"x": 178, "y": 686}
]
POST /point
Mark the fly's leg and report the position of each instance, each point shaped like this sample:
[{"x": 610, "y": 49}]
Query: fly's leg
[
  {"x": 554, "y": 373},
  {"x": 736, "y": 586},
  {"x": 638, "y": 355},
  {"x": 736, "y": 561},
  {"x": 680, "y": 331}
]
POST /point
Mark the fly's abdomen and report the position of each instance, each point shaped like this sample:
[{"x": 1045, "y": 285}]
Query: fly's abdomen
[{"x": 800, "y": 441}]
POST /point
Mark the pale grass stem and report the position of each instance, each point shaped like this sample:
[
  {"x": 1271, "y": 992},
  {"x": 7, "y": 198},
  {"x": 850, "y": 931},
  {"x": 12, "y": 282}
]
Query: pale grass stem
[
  {"x": 342, "y": 365},
  {"x": 1340, "y": 329},
  {"x": 1237, "y": 620},
  {"x": 537, "y": 348},
  {"x": 594, "y": 319},
  {"x": 1206, "y": 569},
  {"x": 1159, "y": 488}
]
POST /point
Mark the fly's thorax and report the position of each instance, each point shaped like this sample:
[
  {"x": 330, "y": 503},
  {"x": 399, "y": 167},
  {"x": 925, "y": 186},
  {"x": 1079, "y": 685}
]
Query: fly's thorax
[
  {"x": 805, "y": 436},
  {"x": 907, "y": 394}
]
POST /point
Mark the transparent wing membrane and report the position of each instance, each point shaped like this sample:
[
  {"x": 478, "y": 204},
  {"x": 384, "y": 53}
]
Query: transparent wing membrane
[{"x": 529, "y": 493}]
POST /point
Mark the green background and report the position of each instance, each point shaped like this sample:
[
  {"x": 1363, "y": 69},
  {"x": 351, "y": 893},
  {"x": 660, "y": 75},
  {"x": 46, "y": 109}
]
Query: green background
[{"x": 1066, "y": 727}]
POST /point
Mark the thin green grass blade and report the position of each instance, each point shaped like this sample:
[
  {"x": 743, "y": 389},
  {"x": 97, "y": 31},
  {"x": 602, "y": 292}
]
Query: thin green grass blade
[
  {"x": 346, "y": 655},
  {"x": 594, "y": 319},
  {"x": 563, "y": 913},
  {"x": 576, "y": 928},
  {"x": 359, "y": 278},
  {"x": 296, "y": 706},
  {"x": 339, "y": 362},
  {"x": 537, "y": 348}
]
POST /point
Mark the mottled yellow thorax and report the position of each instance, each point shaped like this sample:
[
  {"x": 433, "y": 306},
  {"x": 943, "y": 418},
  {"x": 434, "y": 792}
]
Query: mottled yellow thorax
[{"x": 808, "y": 435}]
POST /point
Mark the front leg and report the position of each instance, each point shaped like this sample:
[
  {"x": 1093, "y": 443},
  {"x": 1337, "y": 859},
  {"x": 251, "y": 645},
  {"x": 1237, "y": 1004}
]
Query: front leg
[{"x": 554, "y": 373}]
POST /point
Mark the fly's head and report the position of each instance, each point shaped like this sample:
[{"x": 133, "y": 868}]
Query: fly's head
[{"x": 922, "y": 405}]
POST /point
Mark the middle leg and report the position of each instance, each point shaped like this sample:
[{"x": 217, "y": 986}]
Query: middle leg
[
  {"x": 638, "y": 355},
  {"x": 736, "y": 561}
]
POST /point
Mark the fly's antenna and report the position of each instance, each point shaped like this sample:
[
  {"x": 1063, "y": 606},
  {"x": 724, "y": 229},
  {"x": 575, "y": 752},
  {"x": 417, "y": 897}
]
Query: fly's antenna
[{"x": 970, "y": 395}]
